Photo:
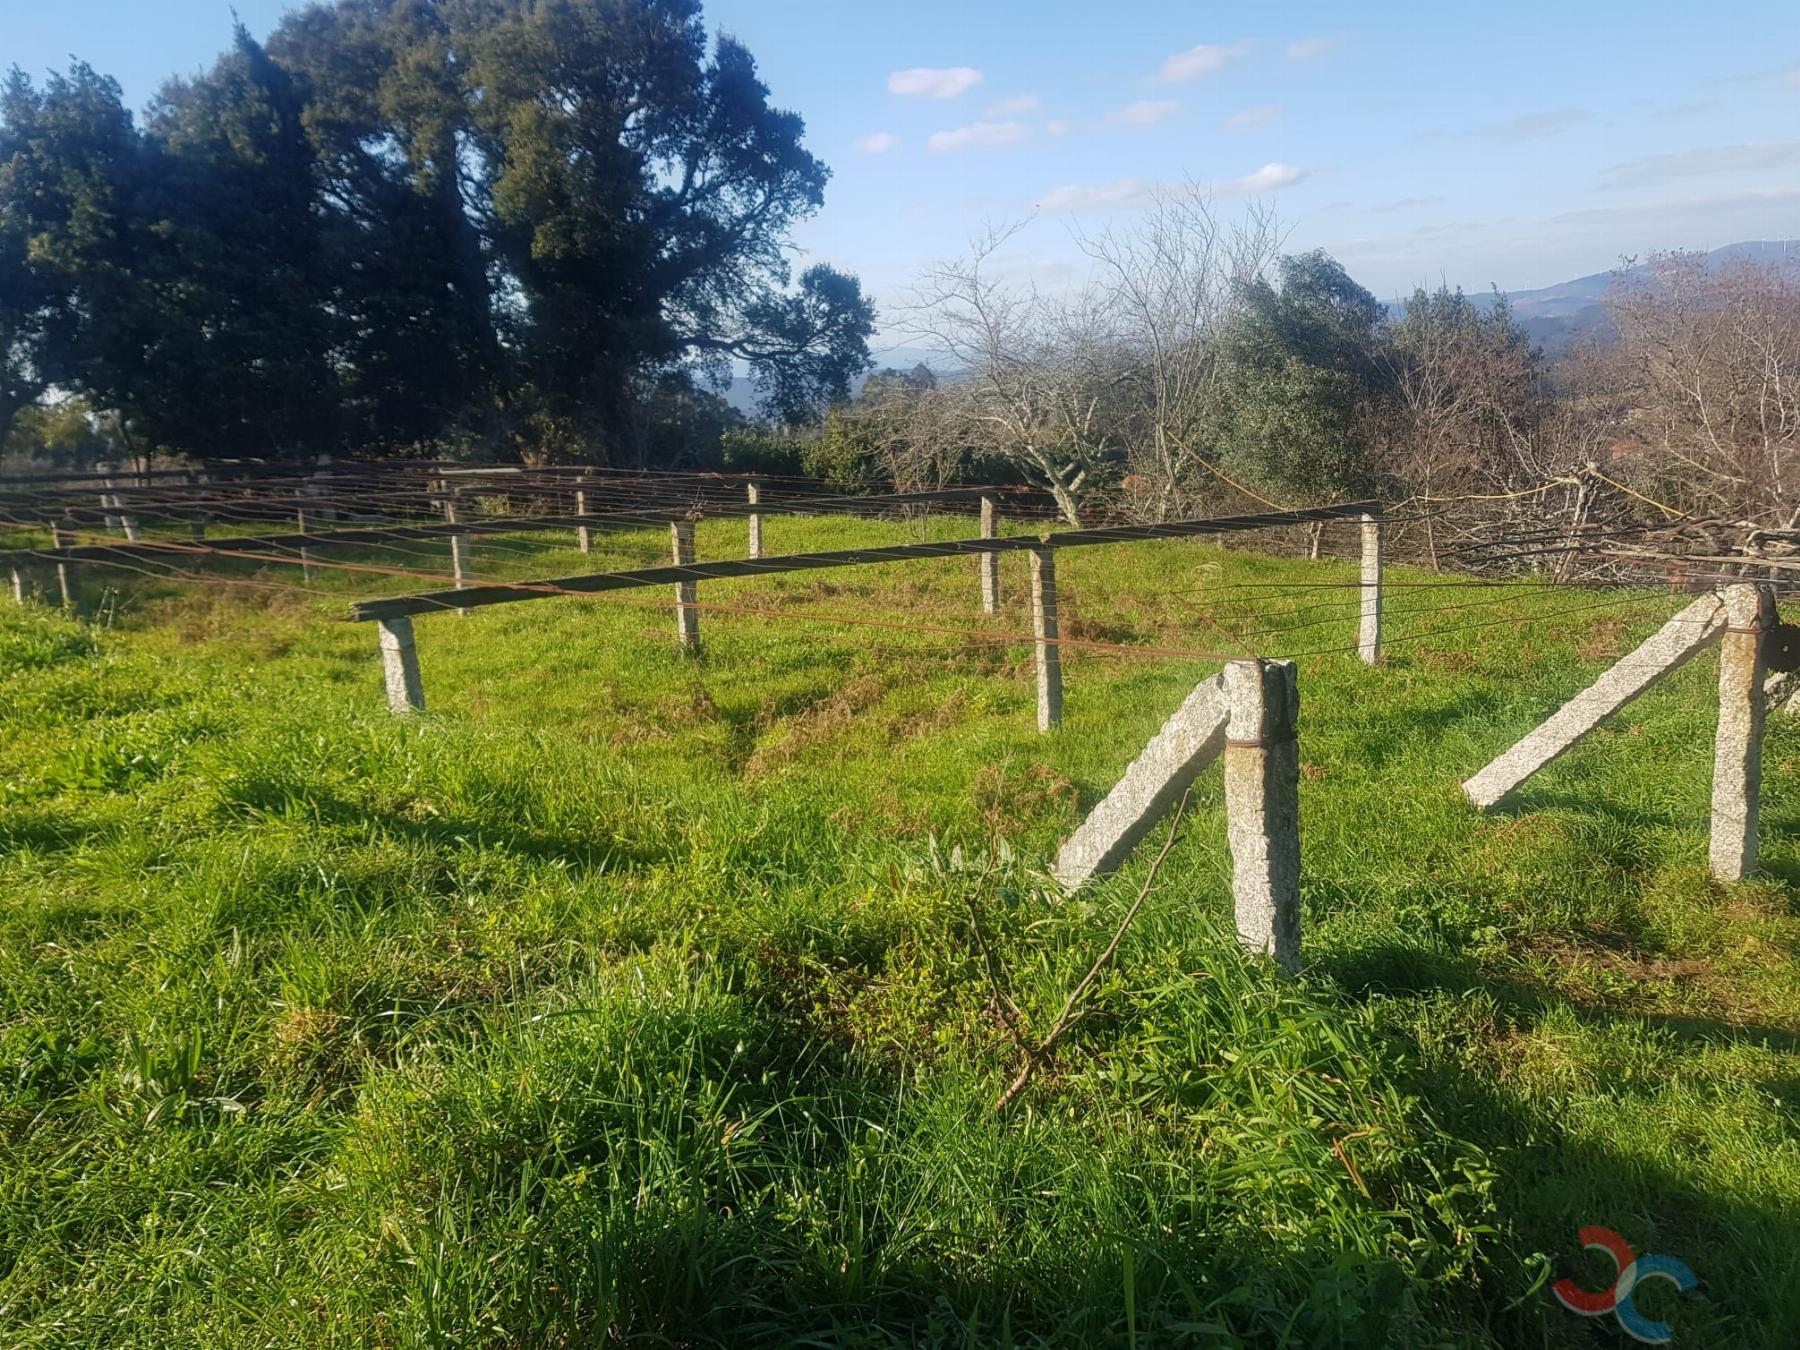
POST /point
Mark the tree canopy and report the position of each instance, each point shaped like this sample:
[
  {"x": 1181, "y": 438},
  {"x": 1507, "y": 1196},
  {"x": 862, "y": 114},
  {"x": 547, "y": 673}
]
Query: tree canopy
[
  {"x": 1298, "y": 377},
  {"x": 402, "y": 221}
]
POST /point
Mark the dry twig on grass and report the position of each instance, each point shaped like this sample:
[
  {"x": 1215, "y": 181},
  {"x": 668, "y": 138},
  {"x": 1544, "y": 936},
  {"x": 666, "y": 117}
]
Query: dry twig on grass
[{"x": 1038, "y": 1052}]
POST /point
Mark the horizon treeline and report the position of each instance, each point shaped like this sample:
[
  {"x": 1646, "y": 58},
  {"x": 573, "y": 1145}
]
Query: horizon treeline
[
  {"x": 554, "y": 230},
  {"x": 534, "y": 228}
]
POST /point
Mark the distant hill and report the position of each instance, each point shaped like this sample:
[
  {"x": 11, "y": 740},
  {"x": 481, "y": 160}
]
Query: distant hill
[
  {"x": 742, "y": 394},
  {"x": 1557, "y": 317}
]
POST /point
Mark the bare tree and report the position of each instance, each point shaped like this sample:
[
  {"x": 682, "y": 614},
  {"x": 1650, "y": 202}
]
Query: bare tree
[
  {"x": 1464, "y": 396},
  {"x": 1711, "y": 360},
  {"x": 1169, "y": 283},
  {"x": 914, "y": 428},
  {"x": 1030, "y": 370}
]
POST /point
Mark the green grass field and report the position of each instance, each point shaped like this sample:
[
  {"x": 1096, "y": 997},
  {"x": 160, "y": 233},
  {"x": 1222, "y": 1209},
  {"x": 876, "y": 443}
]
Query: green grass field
[{"x": 630, "y": 999}]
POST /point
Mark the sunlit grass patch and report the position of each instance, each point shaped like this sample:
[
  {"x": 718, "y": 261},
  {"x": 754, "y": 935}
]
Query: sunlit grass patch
[{"x": 623, "y": 995}]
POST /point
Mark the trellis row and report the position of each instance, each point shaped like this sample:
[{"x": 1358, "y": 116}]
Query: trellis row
[
  {"x": 1739, "y": 617},
  {"x": 1249, "y": 714},
  {"x": 439, "y": 494},
  {"x": 685, "y": 574}
]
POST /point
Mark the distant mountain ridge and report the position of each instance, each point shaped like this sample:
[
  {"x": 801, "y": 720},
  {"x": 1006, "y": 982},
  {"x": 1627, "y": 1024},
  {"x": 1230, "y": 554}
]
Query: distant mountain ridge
[
  {"x": 1557, "y": 317},
  {"x": 1554, "y": 317},
  {"x": 741, "y": 393}
]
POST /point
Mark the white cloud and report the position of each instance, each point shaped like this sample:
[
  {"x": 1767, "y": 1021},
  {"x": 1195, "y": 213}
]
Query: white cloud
[
  {"x": 876, "y": 142},
  {"x": 1146, "y": 112},
  {"x": 1252, "y": 117},
  {"x": 1271, "y": 177},
  {"x": 979, "y": 134},
  {"x": 1123, "y": 192},
  {"x": 934, "y": 81},
  {"x": 1674, "y": 111},
  {"x": 1016, "y": 106},
  {"x": 1205, "y": 59},
  {"x": 1757, "y": 157},
  {"x": 1532, "y": 126},
  {"x": 1128, "y": 192},
  {"x": 1310, "y": 49},
  {"x": 1056, "y": 126},
  {"x": 1727, "y": 215},
  {"x": 1406, "y": 204}
]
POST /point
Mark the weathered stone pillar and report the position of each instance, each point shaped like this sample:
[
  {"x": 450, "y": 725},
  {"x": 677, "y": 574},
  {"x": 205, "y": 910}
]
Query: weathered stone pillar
[
  {"x": 307, "y": 570},
  {"x": 990, "y": 562},
  {"x": 459, "y": 554},
  {"x": 1168, "y": 766},
  {"x": 687, "y": 618},
  {"x": 400, "y": 664},
  {"x": 1044, "y": 630},
  {"x": 64, "y": 582},
  {"x": 1737, "y": 748},
  {"x": 321, "y": 471},
  {"x": 1368, "y": 643},
  {"x": 754, "y": 494},
  {"x": 1667, "y": 649},
  {"x": 1262, "y": 806},
  {"x": 17, "y": 574},
  {"x": 583, "y": 540}
]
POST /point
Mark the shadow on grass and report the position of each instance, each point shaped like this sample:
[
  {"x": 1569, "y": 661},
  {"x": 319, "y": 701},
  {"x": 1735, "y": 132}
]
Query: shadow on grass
[
  {"x": 1535, "y": 802},
  {"x": 601, "y": 851},
  {"x": 42, "y": 832},
  {"x": 1400, "y": 969},
  {"x": 1551, "y": 1182}
]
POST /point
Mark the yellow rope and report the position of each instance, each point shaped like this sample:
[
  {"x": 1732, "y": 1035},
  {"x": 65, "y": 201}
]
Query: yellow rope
[
  {"x": 1666, "y": 509},
  {"x": 1217, "y": 472},
  {"x": 1496, "y": 496},
  {"x": 1567, "y": 480}
]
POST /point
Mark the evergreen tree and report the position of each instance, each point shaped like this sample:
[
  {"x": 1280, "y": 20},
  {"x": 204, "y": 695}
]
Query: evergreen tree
[
  {"x": 405, "y": 219},
  {"x": 1298, "y": 379}
]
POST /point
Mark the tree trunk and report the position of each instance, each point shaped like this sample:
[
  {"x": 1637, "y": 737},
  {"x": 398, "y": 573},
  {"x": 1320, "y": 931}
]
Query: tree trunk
[{"x": 1066, "y": 503}]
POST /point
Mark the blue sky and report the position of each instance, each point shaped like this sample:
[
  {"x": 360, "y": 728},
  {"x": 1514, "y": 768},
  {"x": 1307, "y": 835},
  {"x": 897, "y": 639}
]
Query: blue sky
[{"x": 1520, "y": 144}]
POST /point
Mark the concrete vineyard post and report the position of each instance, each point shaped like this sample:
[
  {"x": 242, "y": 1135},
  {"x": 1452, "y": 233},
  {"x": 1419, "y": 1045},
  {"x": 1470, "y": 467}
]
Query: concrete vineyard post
[
  {"x": 990, "y": 562},
  {"x": 1737, "y": 746},
  {"x": 307, "y": 569},
  {"x": 1154, "y": 782},
  {"x": 400, "y": 665},
  {"x": 123, "y": 520},
  {"x": 687, "y": 618},
  {"x": 1262, "y": 806},
  {"x": 1666, "y": 650},
  {"x": 459, "y": 554},
  {"x": 64, "y": 582},
  {"x": 754, "y": 495},
  {"x": 322, "y": 470},
  {"x": 1045, "y": 632},
  {"x": 1368, "y": 642}
]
